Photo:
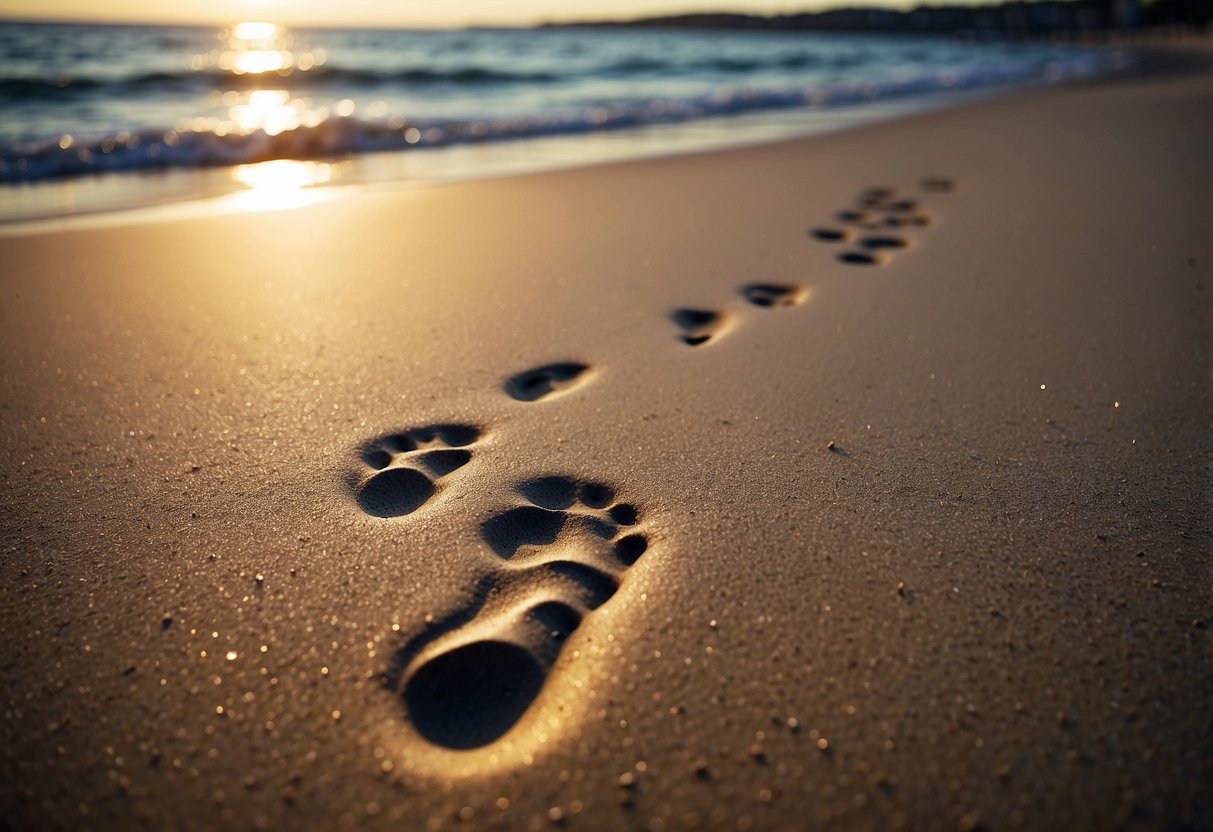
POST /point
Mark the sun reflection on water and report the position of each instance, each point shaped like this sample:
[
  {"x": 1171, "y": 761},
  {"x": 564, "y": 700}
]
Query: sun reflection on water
[
  {"x": 272, "y": 111},
  {"x": 253, "y": 57},
  {"x": 257, "y": 48}
]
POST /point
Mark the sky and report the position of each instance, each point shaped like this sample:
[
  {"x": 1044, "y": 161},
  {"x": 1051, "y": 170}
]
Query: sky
[{"x": 392, "y": 13}]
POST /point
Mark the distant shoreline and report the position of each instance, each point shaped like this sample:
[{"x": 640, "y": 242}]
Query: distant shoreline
[
  {"x": 1015, "y": 19},
  {"x": 1008, "y": 19}
]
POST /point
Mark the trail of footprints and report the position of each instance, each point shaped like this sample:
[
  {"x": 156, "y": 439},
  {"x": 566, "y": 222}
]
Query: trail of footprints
[
  {"x": 880, "y": 223},
  {"x": 562, "y": 546}
]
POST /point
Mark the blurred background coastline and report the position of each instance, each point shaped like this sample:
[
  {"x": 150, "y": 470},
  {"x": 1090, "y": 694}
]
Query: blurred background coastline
[{"x": 103, "y": 117}]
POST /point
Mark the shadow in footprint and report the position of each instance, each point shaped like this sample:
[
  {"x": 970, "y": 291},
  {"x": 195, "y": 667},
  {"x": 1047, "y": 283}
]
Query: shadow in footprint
[
  {"x": 772, "y": 294},
  {"x": 541, "y": 382},
  {"x": 523, "y": 526},
  {"x": 475, "y": 693},
  {"x": 831, "y": 235},
  {"x": 877, "y": 243},
  {"x": 399, "y": 483},
  {"x": 550, "y": 492},
  {"x": 395, "y": 492},
  {"x": 860, "y": 258},
  {"x": 698, "y": 325}
]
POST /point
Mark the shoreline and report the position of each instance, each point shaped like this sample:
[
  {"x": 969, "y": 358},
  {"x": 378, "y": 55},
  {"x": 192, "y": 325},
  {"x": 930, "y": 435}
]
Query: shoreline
[
  {"x": 118, "y": 192},
  {"x": 916, "y": 541}
]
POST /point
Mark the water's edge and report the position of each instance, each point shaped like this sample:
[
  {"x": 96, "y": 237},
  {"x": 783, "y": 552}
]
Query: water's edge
[{"x": 141, "y": 195}]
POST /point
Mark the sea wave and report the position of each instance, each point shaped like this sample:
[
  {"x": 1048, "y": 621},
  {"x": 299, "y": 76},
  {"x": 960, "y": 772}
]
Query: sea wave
[
  {"x": 295, "y": 78},
  {"x": 336, "y": 135},
  {"x": 17, "y": 87}
]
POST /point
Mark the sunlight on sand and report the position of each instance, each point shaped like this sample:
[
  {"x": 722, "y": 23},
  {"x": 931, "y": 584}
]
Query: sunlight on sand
[{"x": 280, "y": 184}]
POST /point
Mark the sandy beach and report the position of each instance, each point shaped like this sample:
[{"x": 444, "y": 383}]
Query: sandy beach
[{"x": 856, "y": 482}]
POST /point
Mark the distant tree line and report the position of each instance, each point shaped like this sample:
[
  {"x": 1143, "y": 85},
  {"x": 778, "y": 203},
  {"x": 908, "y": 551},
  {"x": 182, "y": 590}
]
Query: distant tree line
[{"x": 1027, "y": 19}]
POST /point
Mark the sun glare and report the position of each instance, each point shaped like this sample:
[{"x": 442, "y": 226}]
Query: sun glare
[
  {"x": 257, "y": 61},
  {"x": 251, "y": 30}
]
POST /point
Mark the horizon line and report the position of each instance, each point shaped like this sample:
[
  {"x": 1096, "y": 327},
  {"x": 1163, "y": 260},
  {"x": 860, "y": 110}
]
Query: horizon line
[{"x": 861, "y": 5}]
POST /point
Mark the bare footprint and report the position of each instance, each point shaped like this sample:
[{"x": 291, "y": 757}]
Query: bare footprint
[
  {"x": 564, "y": 551},
  {"x": 876, "y": 197},
  {"x": 403, "y": 469},
  {"x": 861, "y": 258},
  {"x": 545, "y": 381},
  {"x": 773, "y": 294},
  {"x": 885, "y": 242},
  {"x": 937, "y": 185},
  {"x": 861, "y": 219},
  {"x": 698, "y": 325},
  {"x": 831, "y": 235}
]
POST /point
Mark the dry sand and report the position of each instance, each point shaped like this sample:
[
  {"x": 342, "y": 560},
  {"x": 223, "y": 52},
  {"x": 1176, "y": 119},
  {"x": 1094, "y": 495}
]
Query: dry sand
[{"x": 986, "y": 604}]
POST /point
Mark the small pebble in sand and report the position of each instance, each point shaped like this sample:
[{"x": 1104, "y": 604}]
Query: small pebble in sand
[
  {"x": 627, "y": 780},
  {"x": 830, "y": 445},
  {"x": 793, "y": 724}
]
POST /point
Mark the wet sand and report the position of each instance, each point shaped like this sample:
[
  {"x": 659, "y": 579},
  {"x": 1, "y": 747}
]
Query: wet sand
[{"x": 628, "y": 497}]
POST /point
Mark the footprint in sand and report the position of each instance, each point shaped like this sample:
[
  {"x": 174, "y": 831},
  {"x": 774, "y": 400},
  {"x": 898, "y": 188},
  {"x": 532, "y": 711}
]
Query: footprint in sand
[
  {"x": 403, "y": 469},
  {"x": 698, "y": 326},
  {"x": 880, "y": 209},
  {"x": 564, "y": 550},
  {"x": 773, "y": 294},
  {"x": 862, "y": 258},
  {"x": 548, "y": 380},
  {"x": 831, "y": 235}
]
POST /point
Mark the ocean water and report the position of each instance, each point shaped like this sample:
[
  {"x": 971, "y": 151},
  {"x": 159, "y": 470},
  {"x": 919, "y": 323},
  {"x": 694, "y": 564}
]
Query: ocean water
[{"x": 79, "y": 100}]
